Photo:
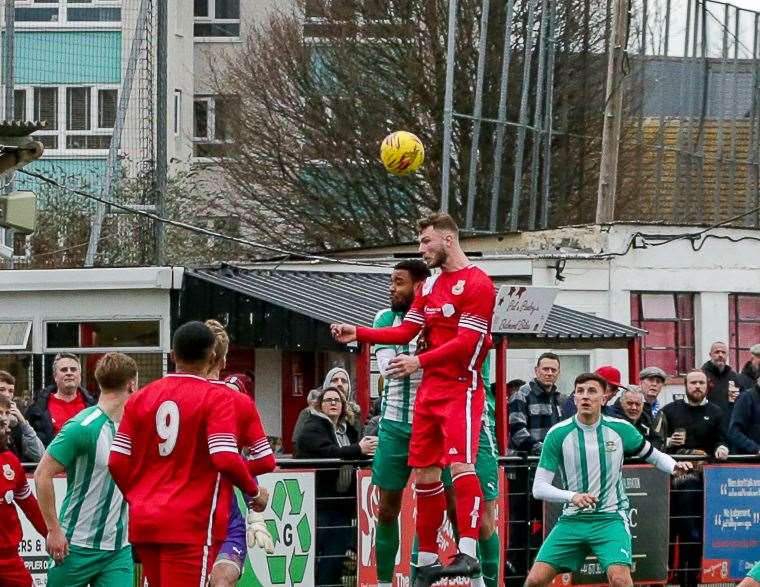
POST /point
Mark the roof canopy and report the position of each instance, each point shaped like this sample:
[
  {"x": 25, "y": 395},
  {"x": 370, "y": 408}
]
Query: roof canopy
[{"x": 323, "y": 297}]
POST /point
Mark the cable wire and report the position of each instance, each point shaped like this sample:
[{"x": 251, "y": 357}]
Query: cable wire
[{"x": 199, "y": 229}]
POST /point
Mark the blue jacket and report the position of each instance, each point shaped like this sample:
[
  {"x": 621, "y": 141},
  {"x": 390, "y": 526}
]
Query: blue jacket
[{"x": 744, "y": 429}]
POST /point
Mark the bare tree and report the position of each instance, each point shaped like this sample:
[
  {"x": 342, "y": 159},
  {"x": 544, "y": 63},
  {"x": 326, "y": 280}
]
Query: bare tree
[{"x": 309, "y": 101}]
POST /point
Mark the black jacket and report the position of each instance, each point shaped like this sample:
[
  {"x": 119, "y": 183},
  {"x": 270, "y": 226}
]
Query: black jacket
[
  {"x": 706, "y": 425},
  {"x": 38, "y": 414},
  {"x": 717, "y": 389},
  {"x": 317, "y": 440},
  {"x": 750, "y": 373},
  {"x": 644, "y": 424},
  {"x": 744, "y": 430}
]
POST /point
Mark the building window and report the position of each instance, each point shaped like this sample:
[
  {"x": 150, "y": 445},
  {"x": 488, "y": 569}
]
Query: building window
[
  {"x": 78, "y": 117},
  {"x": 144, "y": 334},
  {"x": 19, "y": 105},
  {"x": 743, "y": 327},
  {"x": 669, "y": 321},
  {"x": 177, "y": 111},
  {"x": 36, "y": 12},
  {"x": 217, "y": 18},
  {"x": 212, "y": 124}
]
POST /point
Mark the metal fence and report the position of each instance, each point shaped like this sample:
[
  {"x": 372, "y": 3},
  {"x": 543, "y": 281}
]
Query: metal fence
[
  {"x": 525, "y": 101},
  {"x": 88, "y": 71}
]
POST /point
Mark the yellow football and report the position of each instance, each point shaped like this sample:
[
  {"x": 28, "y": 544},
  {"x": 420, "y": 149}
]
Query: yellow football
[{"x": 402, "y": 153}]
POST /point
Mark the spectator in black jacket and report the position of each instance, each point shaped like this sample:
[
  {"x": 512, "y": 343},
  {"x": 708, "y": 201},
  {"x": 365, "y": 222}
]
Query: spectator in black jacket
[
  {"x": 744, "y": 429},
  {"x": 630, "y": 407},
  {"x": 751, "y": 369},
  {"x": 693, "y": 426},
  {"x": 725, "y": 384},
  {"x": 325, "y": 434}
]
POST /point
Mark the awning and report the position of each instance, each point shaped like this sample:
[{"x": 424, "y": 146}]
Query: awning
[{"x": 356, "y": 297}]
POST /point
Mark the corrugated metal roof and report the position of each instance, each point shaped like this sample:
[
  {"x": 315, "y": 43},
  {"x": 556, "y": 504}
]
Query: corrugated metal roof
[{"x": 356, "y": 297}]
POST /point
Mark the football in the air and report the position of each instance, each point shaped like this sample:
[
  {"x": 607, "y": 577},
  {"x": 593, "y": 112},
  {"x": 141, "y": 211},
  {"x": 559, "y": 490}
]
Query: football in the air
[{"x": 402, "y": 153}]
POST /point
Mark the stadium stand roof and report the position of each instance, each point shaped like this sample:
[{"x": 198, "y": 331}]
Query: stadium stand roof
[{"x": 356, "y": 297}]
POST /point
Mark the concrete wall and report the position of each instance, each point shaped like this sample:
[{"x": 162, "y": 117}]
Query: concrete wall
[{"x": 269, "y": 389}]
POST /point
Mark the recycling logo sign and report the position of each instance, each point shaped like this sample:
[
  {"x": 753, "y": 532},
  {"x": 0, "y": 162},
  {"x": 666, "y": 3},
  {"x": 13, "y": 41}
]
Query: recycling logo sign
[{"x": 290, "y": 518}]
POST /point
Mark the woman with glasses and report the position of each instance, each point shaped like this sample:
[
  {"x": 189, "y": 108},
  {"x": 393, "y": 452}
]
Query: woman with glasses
[{"x": 326, "y": 435}]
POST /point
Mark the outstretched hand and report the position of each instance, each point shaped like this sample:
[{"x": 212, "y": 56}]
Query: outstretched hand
[
  {"x": 682, "y": 467},
  {"x": 584, "y": 500},
  {"x": 344, "y": 333}
]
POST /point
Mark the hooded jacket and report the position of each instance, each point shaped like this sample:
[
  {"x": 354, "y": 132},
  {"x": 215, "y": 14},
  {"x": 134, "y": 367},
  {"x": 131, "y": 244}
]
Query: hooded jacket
[
  {"x": 717, "y": 390},
  {"x": 331, "y": 373},
  {"x": 38, "y": 414}
]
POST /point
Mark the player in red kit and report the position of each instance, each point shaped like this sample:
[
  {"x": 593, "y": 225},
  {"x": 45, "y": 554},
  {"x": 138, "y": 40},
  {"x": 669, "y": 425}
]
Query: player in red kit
[
  {"x": 14, "y": 488},
  {"x": 455, "y": 308},
  {"x": 230, "y": 561},
  {"x": 174, "y": 457}
]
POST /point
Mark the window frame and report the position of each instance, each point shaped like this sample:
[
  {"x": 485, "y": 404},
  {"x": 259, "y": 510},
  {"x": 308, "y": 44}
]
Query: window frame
[
  {"x": 62, "y": 132},
  {"x": 102, "y": 349},
  {"x": 210, "y": 138},
  {"x": 678, "y": 347},
  {"x": 734, "y": 350},
  {"x": 24, "y": 347},
  {"x": 63, "y": 21},
  {"x": 211, "y": 19}
]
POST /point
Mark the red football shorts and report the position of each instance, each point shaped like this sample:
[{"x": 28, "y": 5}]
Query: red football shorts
[
  {"x": 446, "y": 425},
  {"x": 13, "y": 573},
  {"x": 176, "y": 565}
]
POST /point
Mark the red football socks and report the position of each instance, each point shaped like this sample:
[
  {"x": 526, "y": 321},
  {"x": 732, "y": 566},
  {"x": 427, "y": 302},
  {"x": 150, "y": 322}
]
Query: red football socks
[
  {"x": 431, "y": 505},
  {"x": 469, "y": 498}
]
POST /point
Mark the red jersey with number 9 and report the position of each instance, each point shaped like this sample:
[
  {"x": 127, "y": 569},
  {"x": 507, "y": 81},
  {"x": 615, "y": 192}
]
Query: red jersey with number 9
[{"x": 170, "y": 429}]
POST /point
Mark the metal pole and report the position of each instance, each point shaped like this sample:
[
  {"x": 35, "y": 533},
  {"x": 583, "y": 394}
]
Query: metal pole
[
  {"x": 514, "y": 212},
  {"x": 448, "y": 106},
  {"x": 537, "y": 120},
  {"x": 9, "y": 78},
  {"x": 613, "y": 111},
  {"x": 549, "y": 117},
  {"x": 118, "y": 129},
  {"x": 502, "y": 116},
  {"x": 477, "y": 112},
  {"x": 162, "y": 38}
]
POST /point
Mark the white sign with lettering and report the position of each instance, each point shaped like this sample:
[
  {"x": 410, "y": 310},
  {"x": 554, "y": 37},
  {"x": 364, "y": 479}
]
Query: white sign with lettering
[{"x": 522, "y": 309}]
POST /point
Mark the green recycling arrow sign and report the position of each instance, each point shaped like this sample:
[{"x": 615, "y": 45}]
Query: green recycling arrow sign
[{"x": 290, "y": 518}]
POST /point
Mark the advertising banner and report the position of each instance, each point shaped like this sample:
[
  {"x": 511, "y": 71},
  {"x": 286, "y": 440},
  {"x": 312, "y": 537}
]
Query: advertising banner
[
  {"x": 648, "y": 491},
  {"x": 731, "y": 542},
  {"x": 369, "y": 500},
  {"x": 291, "y": 520}
]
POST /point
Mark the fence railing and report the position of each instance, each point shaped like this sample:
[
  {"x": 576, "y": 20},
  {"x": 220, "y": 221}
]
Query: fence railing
[{"x": 337, "y": 532}]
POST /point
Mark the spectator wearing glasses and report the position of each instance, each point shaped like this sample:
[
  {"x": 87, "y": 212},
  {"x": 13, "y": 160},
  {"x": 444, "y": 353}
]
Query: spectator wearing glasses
[
  {"x": 56, "y": 404},
  {"x": 326, "y": 434}
]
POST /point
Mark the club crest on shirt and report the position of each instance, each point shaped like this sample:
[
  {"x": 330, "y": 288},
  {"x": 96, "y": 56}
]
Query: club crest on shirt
[
  {"x": 8, "y": 497},
  {"x": 458, "y": 289},
  {"x": 609, "y": 446},
  {"x": 448, "y": 310},
  {"x": 8, "y": 472}
]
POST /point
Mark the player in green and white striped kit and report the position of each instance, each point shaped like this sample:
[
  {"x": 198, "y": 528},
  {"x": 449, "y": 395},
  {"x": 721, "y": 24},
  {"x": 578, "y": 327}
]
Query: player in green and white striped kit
[
  {"x": 88, "y": 542},
  {"x": 587, "y": 451},
  {"x": 753, "y": 577}
]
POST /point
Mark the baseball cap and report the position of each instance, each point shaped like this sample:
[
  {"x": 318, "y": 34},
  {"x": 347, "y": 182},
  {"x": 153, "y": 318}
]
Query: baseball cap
[
  {"x": 648, "y": 372},
  {"x": 610, "y": 374},
  {"x": 240, "y": 381},
  {"x": 755, "y": 349}
]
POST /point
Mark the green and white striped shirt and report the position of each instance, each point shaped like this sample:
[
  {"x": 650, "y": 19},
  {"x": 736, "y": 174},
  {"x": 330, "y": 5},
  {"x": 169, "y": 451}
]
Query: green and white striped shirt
[
  {"x": 94, "y": 513},
  {"x": 398, "y": 394},
  {"x": 589, "y": 459}
]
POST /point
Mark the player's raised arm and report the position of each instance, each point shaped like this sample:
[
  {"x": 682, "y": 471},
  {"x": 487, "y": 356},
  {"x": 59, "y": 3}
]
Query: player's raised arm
[{"x": 413, "y": 322}]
